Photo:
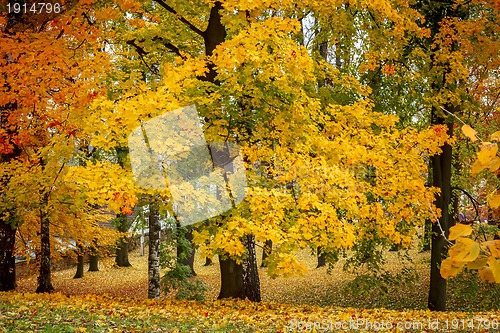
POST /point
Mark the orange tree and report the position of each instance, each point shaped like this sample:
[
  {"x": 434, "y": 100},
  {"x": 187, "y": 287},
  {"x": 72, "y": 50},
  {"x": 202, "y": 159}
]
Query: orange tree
[{"x": 50, "y": 71}]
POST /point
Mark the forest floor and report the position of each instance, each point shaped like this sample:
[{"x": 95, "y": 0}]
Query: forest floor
[
  {"x": 398, "y": 289},
  {"x": 114, "y": 300}
]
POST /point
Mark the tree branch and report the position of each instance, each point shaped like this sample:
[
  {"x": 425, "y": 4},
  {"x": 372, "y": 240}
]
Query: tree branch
[
  {"x": 169, "y": 46},
  {"x": 141, "y": 53},
  {"x": 139, "y": 49},
  {"x": 182, "y": 19}
]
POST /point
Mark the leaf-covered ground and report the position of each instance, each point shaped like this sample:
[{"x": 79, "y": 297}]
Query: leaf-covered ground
[
  {"x": 114, "y": 300},
  {"x": 318, "y": 287},
  {"x": 59, "y": 313}
]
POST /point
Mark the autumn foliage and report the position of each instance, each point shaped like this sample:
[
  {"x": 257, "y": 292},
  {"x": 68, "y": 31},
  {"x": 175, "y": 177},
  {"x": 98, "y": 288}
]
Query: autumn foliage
[{"x": 344, "y": 113}]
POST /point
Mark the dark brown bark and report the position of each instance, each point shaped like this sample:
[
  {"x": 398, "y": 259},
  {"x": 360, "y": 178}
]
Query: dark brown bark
[
  {"x": 441, "y": 178},
  {"x": 122, "y": 221},
  {"x": 426, "y": 242},
  {"x": 93, "y": 263},
  {"x": 426, "y": 238},
  {"x": 93, "y": 257},
  {"x": 154, "y": 252},
  {"x": 232, "y": 285},
  {"x": 208, "y": 262},
  {"x": 214, "y": 35},
  {"x": 7, "y": 258},
  {"x": 266, "y": 251},
  {"x": 79, "y": 267},
  {"x": 121, "y": 259},
  {"x": 321, "y": 259},
  {"x": 251, "y": 279},
  {"x": 188, "y": 259},
  {"x": 44, "y": 277}
]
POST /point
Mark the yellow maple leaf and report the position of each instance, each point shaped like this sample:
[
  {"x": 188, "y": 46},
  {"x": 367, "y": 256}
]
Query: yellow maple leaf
[
  {"x": 487, "y": 152},
  {"x": 459, "y": 230},
  {"x": 464, "y": 250},
  {"x": 494, "y": 247},
  {"x": 494, "y": 201},
  {"x": 495, "y": 136},
  {"x": 495, "y": 268},
  {"x": 450, "y": 268},
  {"x": 486, "y": 158},
  {"x": 486, "y": 274},
  {"x": 469, "y": 132},
  {"x": 494, "y": 164},
  {"x": 478, "y": 263}
]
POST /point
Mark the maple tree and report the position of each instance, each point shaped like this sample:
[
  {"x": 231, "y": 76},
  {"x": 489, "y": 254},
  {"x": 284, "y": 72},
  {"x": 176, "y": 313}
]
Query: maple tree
[
  {"x": 453, "y": 27},
  {"x": 324, "y": 165},
  {"x": 471, "y": 253},
  {"x": 320, "y": 173},
  {"x": 47, "y": 81},
  {"x": 436, "y": 63}
]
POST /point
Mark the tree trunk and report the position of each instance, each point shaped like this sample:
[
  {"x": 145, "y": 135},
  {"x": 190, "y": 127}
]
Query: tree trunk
[
  {"x": 123, "y": 223},
  {"x": 214, "y": 35},
  {"x": 251, "y": 279},
  {"x": 427, "y": 236},
  {"x": 442, "y": 163},
  {"x": 79, "y": 267},
  {"x": 93, "y": 258},
  {"x": 321, "y": 259},
  {"x": 154, "y": 252},
  {"x": 441, "y": 176},
  {"x": 189, "y": 259},
  {"x": 44, "y": 278},
  {"x": 7, "y": 258},
  {"x": 122, "y": 253},
  {"x": 231, "y": 273},
  {"x": 268, "y": 247},
  {"x": 122, "y": 248},
  {"x": 208, "y": 261},
  {"x": 94, "y": 263},
  {"x": 142, "y": 241}
]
